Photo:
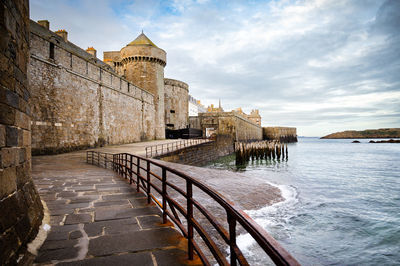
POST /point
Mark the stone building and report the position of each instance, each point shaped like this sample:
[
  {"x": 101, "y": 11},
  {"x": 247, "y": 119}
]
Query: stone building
[
  {"x": 254, "y": 116},
  {"x": 195, "y": 107},
  {"x": 212, "y": 109},
  {"x": 21, "y": 210},
  {"x": 79, "y": 101}
]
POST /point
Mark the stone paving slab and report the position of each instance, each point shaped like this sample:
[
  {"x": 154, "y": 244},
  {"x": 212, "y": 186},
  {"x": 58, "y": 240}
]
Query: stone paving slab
[
  {"x": 134, "y": 241},
  {"x": 143, "y": 258},
  {"x": 97, "y": 218}
]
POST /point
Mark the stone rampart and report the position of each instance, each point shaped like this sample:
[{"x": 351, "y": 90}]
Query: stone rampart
[
  {"x": 227, "y": 123},
  {"x": 79, "y": 102},
  {"x": 283, "y": 134},
  {"x": 201, "y": 154},
  {"x": 21, "y": 211}
]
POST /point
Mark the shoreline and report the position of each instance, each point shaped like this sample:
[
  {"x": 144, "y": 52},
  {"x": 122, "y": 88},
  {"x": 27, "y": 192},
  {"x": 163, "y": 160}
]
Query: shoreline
[{"x": 246, "y": 193}]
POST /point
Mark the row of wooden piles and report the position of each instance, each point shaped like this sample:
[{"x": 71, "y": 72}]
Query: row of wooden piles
[{"x": 259, "y": 150}]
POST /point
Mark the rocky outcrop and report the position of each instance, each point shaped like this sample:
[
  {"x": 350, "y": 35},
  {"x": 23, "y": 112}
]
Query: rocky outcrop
[{"x": 365, "y": 134}]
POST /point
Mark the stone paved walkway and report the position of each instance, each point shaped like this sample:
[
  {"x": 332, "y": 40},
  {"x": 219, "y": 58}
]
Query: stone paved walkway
[{"x": 96, "y": 218}]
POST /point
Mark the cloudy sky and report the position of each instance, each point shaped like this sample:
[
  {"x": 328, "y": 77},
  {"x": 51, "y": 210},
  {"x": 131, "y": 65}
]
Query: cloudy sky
[{"x": 319, "y": 65}]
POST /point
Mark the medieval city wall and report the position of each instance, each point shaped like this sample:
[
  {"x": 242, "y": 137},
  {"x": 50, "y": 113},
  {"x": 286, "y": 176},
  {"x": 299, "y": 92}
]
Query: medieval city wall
[
  {"x": 283, "y": 134},
  {"x": 199, "y": 155},
  {"x": 227, "y": 123},
  {"x": 176, "y": 104},
  {"x": 21, "y": 211},
  {"x": 247, "y": 129},
  {"x": 79, "y": 102}
]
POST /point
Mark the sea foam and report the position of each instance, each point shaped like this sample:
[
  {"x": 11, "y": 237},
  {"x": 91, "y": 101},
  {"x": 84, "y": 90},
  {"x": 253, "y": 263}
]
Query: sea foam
[{"x": 270, "y": 218}]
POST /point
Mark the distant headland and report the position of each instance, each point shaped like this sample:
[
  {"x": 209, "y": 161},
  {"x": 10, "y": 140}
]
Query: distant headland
[{"x": 365, "y": 134}]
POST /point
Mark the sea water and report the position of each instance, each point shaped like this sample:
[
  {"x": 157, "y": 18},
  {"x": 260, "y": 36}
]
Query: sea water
[{"x": 342, "y": 202}]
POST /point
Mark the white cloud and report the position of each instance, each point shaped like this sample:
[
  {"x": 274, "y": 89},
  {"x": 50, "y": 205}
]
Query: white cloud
[{"x": 303, "y": 63}]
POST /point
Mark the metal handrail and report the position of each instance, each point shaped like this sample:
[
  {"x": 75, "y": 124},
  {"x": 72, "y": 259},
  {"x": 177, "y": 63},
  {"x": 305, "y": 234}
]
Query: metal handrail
[
  {"x": 161, "y": 149},
  {"x": 132, "y": 167}
]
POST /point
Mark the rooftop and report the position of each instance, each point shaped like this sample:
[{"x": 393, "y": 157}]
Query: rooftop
[{"x": 142, "y": 39}]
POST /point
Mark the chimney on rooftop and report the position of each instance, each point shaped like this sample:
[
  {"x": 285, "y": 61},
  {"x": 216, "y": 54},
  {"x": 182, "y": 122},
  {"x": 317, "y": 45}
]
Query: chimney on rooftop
[
  {"x": 44, "y": 23},
  {"x": 92, "y": 51},
  {"x": 63, "y": 34}
]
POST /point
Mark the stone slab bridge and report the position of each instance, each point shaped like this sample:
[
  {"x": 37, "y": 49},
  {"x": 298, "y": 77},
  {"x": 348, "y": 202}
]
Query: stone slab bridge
[{"x": 97, "y": 218}]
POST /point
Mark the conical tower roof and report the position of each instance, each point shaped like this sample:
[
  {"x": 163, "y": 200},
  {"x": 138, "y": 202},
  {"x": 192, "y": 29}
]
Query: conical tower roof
[{"x": 142, "y": 39}]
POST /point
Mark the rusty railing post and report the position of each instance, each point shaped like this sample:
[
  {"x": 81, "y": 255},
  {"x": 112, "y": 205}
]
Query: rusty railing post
[
  {"x": 124, "y": 165},
  {"x": 148, "y": 183},
  {"x": 164, "y": 194},
  {"x": 130, "y": 167},
  {"x": 137, "y": 174},
  {"x": 232, "y": 238},
  {"x": 189, "y": 199},
  {"x": 113, "y": 159},
  {"x": 120, "y": 164}
]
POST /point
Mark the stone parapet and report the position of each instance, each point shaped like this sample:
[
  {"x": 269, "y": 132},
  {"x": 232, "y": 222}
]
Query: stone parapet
[
  {"x": 176, "y": 83},
  {"x": 199, "y": 155}
]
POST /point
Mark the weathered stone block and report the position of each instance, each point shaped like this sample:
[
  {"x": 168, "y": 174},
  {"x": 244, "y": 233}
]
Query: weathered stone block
[
  {"x": 22, "y": 155},
  {"x": 58, "y": 254},
  {"x": 11, "y": 136},
  {"x": 78, "y": 218},
  {"x": 22, "y": 120},
  {"x": 144, "y": 240},
  {"x": 143, "y": 258},
  {"x": 7, "y": 114},
  {"x": 112, "y": 227},
  {"x": 11, "y": 98},
  {"x": 8, "y": 182},
  {"x": 26, "y": 138},
  {"x": 23, "y": 175},
  {"x": 58, "y": 244},
  {"x": 2, "y": 136},
  {"x": 9, "y": 156}
]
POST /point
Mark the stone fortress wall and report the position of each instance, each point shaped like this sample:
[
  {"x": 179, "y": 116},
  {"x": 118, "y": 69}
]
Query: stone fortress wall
[
  {"x": 78, "y": 101},
  {"x": 227, "y": 123},
  {"x": 176, "y": 104},
  {"x": 21, "y": 211},
  {"x": 283, "y": 134}
]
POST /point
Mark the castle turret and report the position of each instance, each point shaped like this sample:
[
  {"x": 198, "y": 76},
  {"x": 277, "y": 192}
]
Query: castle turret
[{"x": 143, "y": 64}]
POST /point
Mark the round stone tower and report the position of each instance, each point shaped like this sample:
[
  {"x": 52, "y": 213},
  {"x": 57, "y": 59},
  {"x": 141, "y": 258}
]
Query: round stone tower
[{"x": 143, "y": 64}]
